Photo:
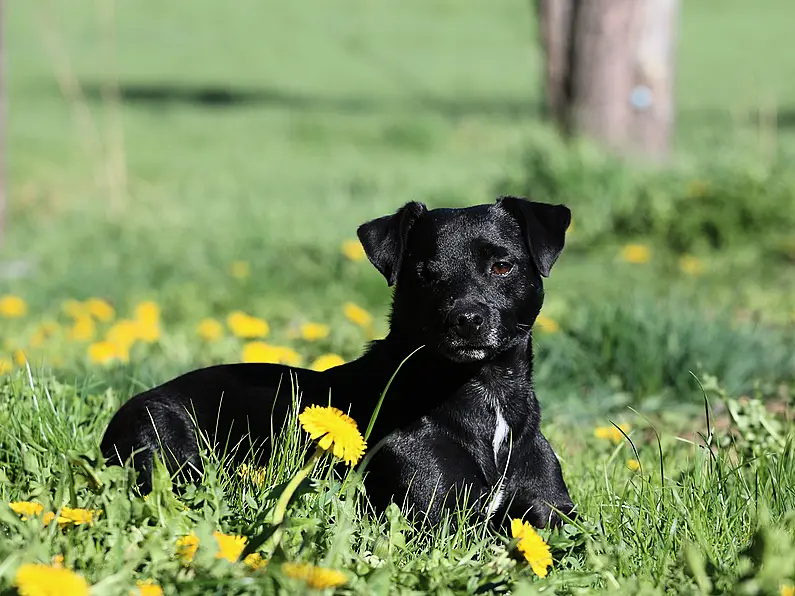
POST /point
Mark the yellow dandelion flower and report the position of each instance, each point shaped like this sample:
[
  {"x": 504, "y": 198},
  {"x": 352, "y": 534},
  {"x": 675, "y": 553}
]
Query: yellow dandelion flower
[
  {"x": 103, "y": 352},
  {"x": 259, "y": 351},
  {"x": 691, "y": 265},
  {"x": 327, "y": 361},
  {"x": 633, "y": 465},
  {"x": 318, "y": 578},
  {"x": 100, "y": 309},
  {"x": 148, "y": 331},
  {"x": 46, "y": 580},
  {"x": 314, "y": 331},
  {"x": 532, "y": 546},
  {"x": 20, "y": 358},
  {"x": 335, "y": 430},
  {"x": 75, "y": 309},
  {"x": 229, "y": 546},
  {"x": 256, "y": 475},
  {"x": 246, "y": 326},
  {"x": 611, "y": 433},
  {"x": 187, "y": 547},
  {"x": 77, "y": 516},
  {"x": 547, "y": 324},
  {"x": 57, "y": 561},
  {"x": 26, "y": 509},
  {"x": 147, "y": 312},
  {"x": 146, "y": 588},
  {"x": 6, "y": 366},
  {"x": 636, "y": 253},
  {"x": 353, "y": 250},
  {"x": 12, "y": 307},
  {"x": 83, "y": 329},
  {"x": 255, "y": 561},
  {"x": 210, "y": 330},
  {"x": 240, "y": 269},
  {"x": 123, "y": 333},
  {"x": 356, "y": 314},
  {"x": 787, "y": 590}
]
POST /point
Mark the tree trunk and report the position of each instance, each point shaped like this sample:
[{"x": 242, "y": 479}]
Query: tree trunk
[{"x": 615, "y": 84}]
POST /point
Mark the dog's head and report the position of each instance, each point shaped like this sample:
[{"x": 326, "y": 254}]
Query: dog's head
[{"x": 467, "y": 281}]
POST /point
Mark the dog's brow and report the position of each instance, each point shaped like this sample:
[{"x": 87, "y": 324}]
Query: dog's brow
[{"x": 488, "y": 248}]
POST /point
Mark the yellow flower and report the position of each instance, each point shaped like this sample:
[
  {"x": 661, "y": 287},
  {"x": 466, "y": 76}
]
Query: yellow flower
[
  {"x": 210, "y": 330},
  {"x": 547, "y": 324},
  {"x": 636, "y": 253},
  {"x": 240, "y": 269},
  {"x": 255, "y": 561},
  {"x": 229, "y": 547},
  {"x": 256, "y": 475},
  {"x": 259, "y": 351},
  {"x": 633, "y": 465},
  {"x": 246, "y": 326},
  {"x": 57, "y": 561},
  {"x": 12, "y": 307},
  {"x": 611, "y": 433},
  {"x": 353, "y": 250},
  {"x": 103, "y": 352},
  {"x": 327, "y": 361},
  {"x": 75, "y": 309},
  {"x": 77, "y": 516},
  {"x": 532, "y": 546},
  {"x": 318, "y": 578},
  {"x": 314, "y": 331},
  {"x": 691, "y": 265},
  {"x": 83, "y": 329},
  {"x": 146, "y": 588},
  {"x": 334, "y": 430},
  {"x": 6, "y": 366},
  {"x": 147, "y": 312},
  {"x": 357, "y": 314},
  {"x": 46, "y": 580},
  {"x": 100, "y": 309},
  {"x": 26, "y": 509},
  {"x": 123, "y": 333},
  {"x": 787, "y": 590},
  {"x": 187, "y": 547},
  {"x": 20, "y": 358}
]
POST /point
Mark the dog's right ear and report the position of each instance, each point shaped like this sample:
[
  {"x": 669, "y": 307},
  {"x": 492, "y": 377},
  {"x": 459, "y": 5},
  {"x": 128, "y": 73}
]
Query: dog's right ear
[{"x": 384, "y": 239}]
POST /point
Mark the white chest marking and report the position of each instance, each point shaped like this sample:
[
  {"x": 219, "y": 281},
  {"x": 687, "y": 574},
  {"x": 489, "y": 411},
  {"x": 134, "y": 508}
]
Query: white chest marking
[{"x": 500, "y": 433}]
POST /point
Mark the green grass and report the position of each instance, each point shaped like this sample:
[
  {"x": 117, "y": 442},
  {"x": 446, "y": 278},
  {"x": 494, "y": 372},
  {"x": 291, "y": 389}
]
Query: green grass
[{"x": 266, "y": 134}]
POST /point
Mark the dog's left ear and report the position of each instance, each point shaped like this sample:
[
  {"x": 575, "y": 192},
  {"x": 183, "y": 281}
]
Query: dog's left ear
[
  {"x": 544, "y": 228},
  {"x": 384, "y": 239}
]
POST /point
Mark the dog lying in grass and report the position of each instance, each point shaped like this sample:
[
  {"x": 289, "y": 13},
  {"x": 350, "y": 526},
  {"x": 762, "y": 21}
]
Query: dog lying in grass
[{"x": 460, "y": 416}]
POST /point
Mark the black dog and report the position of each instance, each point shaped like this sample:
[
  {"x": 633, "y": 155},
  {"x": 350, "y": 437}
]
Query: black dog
[{"x": 461, "y": 414}]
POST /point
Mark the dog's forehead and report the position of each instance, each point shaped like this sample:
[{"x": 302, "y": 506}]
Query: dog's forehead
[{"x": 440, "y": 232}]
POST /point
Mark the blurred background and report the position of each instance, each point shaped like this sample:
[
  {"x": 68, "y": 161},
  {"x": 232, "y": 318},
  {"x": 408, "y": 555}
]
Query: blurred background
[{"x": 184, "y": 180}]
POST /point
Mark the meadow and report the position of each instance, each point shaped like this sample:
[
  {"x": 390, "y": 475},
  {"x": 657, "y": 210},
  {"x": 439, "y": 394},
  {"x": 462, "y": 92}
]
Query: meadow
[{"x": 184, "y": 184}]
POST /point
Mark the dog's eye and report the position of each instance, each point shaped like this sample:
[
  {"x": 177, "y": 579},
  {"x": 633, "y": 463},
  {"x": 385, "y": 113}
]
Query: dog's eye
[{"x": 501, "y": 268}]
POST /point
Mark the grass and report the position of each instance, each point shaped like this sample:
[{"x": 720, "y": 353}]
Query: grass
[{"x": 266, "y": 134}]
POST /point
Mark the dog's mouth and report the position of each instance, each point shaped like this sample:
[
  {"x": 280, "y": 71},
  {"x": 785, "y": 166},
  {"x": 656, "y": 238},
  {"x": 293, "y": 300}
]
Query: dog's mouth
[{"x": 462, "y": 353}]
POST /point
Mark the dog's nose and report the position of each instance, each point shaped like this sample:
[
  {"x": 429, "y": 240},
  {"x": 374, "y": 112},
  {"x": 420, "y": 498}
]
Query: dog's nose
[{"x": 465, "y": 321}]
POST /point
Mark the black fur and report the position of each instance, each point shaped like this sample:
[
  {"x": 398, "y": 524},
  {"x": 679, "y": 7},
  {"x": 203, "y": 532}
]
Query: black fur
[{"x": 468, "y": 289}]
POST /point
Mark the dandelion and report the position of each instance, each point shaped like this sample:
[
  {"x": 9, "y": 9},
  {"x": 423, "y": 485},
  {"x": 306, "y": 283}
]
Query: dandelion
[
  {"x": 210, "y": 330},
  {"x": 633, "y": 465},
  {"x": 103, "y": 352},
  {"x": 532, "y": 546},
  {"x": 353, "y": 250},
  {"x": 26, "y": 509},
  {"x": 636, "y": 253},
  {"x": 12, "y": 307},
  {"x": 57, "y": 561},
  {"x": 100, "y": 309},
  {"x": 611, "y": 433},
  {"x": 6, "y": 366},
  {"x": 547, "y": 324},
  {"x": 123, "y": 333},
  {"x": 229, "y": 546},
  {"x": 787, "y": 590},
  {"x": 246, "y": 326},
  {"x": 75, "y": 309},
  {"x": 147, "y": 319},
  {"x": 356, "y": 314},
  {"x": 334, "y": 430},
  {"x": 240, "y": 269},
  {"x": 314, "y": 331},
  {"x": 319, "y": 578},
  {"x": 327, "y": 361},
  {"x": 83, "y": 329},
  {"x": 146, "y": 588},
  {"x": 255, "y": 561},
  {"x": 691, "y": 265},
  {"x": 77, "y": 516},
  {"x": 256, "y": 475},
  {"x": 20, "y": 358},
  {"x": 259, "y": 351},
  {"x": 46, "y": 580},
  {"x": 187, "y": 547}
]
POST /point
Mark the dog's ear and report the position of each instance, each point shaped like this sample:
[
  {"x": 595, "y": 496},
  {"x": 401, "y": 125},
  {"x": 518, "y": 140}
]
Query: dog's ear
[
  {"x": 544, "y": 228},
  {"x": 384, "y": 239}
]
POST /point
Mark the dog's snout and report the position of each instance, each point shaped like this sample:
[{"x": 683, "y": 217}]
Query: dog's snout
[{"x": 466, "y": 320}]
